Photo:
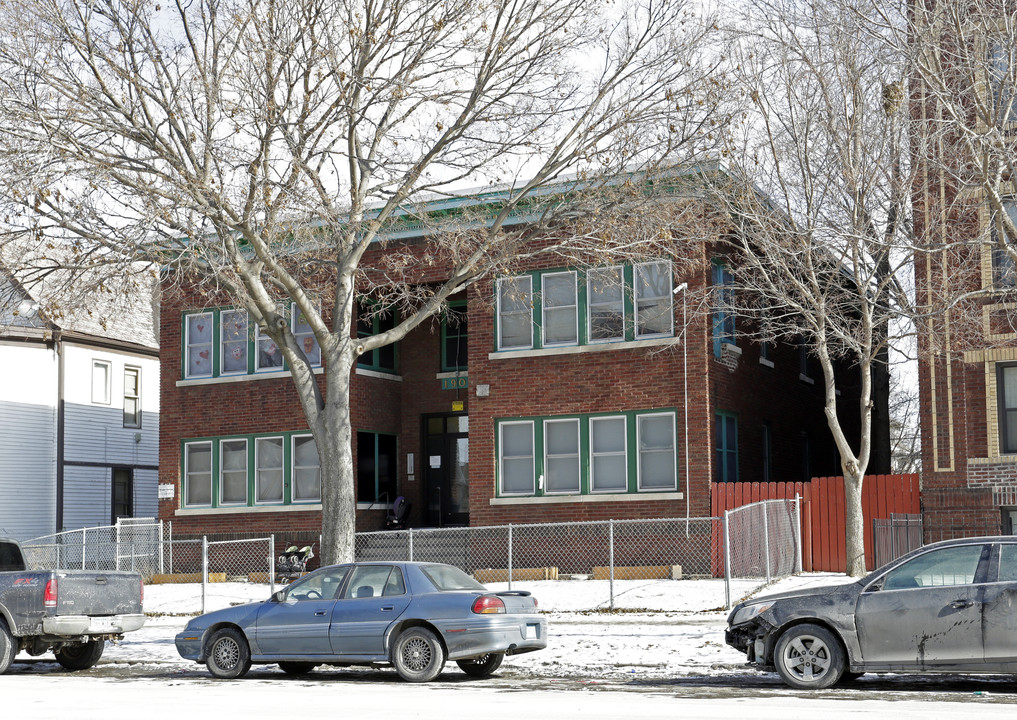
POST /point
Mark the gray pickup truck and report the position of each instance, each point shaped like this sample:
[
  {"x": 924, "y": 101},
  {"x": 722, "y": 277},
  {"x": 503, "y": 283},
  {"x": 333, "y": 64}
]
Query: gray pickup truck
[{"x": 71, "y": 612}]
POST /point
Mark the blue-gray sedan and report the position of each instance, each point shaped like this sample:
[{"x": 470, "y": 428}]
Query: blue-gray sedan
[{"x": 414, "y": 616}]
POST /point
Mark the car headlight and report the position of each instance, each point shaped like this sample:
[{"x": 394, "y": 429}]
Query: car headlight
[{"x": 750, "y": 611}]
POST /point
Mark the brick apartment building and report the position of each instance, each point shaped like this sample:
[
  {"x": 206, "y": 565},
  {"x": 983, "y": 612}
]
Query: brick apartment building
[{"x": 560, "y": 394}]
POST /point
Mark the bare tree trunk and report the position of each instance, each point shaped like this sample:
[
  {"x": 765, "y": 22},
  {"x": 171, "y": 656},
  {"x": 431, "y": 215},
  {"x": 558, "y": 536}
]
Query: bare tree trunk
[{"x": 855, "y": 524}]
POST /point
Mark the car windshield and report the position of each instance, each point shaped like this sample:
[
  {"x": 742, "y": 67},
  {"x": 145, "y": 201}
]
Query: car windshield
[{"x": 446, "y": 577}]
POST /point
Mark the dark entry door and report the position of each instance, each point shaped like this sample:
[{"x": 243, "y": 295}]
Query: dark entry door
[
  {"x": 446, "y": 469},
  {"x": 122, "y": 493}
]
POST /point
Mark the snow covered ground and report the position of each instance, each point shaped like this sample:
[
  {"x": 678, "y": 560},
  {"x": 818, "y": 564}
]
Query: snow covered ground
[{"x": 660, "y": 654}]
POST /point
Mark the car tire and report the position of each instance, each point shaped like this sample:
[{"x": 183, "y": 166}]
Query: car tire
[
  {"x": 228, "y": 655},
  {"x": 481, "y": 666},
  {"x": 80, "y": 656},
  {"x": 8, "y": 648},
  {"x": 809, "y": 657},
  {"x": 297, "y": 668},
  {"x": 418, "y": 655}
]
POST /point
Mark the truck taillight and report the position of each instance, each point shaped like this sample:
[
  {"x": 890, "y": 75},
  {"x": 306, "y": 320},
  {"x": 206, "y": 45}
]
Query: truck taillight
[
  {"x": 49, "y": 598},
  {"x": 488, "y": 604}
]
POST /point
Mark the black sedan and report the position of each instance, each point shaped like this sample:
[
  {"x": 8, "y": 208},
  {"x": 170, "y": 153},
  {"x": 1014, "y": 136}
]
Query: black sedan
[
  {"x": 414, "y": 616},
  {"x": 947, "y": 607}
]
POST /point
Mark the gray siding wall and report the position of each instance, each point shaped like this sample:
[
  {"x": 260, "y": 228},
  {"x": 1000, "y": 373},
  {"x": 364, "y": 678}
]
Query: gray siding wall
[
  {"x": 27, "y": 470},
  {"x": 146, "y": 493},
  {"x": 87, "y": 501},
  {"x": 97, "y": 434}
]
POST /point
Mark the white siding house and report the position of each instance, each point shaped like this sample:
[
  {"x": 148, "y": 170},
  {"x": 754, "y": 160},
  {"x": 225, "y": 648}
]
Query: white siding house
[{"x": 79, "y": 413}]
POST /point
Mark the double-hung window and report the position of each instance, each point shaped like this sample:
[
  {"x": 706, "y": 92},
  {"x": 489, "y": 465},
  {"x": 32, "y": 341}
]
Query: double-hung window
[
  {"x": 1004, "y": 270},
  {"x": 515, "y": 313},
  {"x": 198, "y": 474},
  {"x": 655, "y": 437},
  {"x": 268, "y": 474},
  {"x": 132, "y": 397},
  {"x": 306, "y": 470},
  {"x": 560, "y": 305},
  {"x": 370, "y": 323},
  {"x": 454, "y": 338},
  {"x": 608, "y": 456},
  {"x": 198, "y": 344},
  {"x": 516, "y": 458},
  {"x": 605, "y": 293},
  {"x": 1006, "y": 391},
  {"x": 233, "y": 472},
  {"x": 1003, "y": 81},
  {"x": 376, "y": 467},
  {"x": 653, "y": 293},
  {"x": 561, "y": 456},
  {"x": 723, "y": 310},
  {"x": 269, "y": 355},
  {"x": 727, "y": 447},
  {"x": 233, "y": 342},
  {"x": 305, "y": 337},
  {"x": 101, "y": 371}
]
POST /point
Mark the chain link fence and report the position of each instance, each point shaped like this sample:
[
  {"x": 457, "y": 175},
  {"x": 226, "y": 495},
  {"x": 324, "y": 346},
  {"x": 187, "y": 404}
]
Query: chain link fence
[
  {"x": 762, "y": 542},
  {"x": 751, "y": 545},
  {"x": 895, "y": 536}
]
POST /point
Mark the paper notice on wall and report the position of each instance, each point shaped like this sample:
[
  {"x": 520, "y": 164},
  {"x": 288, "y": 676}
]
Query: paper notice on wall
[{"x": 435, "y": 461}]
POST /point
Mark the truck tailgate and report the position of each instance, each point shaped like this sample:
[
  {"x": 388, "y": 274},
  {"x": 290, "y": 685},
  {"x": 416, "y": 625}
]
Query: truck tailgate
[{"x": 97, "y": 593}]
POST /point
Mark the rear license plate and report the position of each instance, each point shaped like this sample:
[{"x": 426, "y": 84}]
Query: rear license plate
[
  {"x": 103, "y": 624},
  {"x": 531, "y": 631}
]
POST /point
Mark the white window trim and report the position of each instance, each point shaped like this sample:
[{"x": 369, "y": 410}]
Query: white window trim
[
  {"x": 107, "y": 390},
  {"x": 501, "y": 325},
  {"x": 136, "y": 397},
  {"x": 188, "y": 345},
  {"x": 577, "y": 455},
  {"x": 544, "y": 308},
  {"x": 257, "y": 469},
  {"x": 674, "y": 453},
  {"x": 222, "y": 471},
  {"x": 293, "y": 471},
  {"x": 258, "y": 337},
  {"x": 594, "y": 454},
  {"x": 222, "y": 342},
  {"x": 502, "y": 458},
  {"x": 669, "y": 297},
  {"x": 589, "y": 307},
  {"x": 187, "y": 474}
]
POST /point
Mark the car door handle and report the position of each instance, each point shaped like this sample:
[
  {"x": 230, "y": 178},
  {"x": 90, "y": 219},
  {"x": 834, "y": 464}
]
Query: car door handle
[
  {"x": 387, "y": 607},
  {"x": 320, "y": 613},
  {"x": 960, "y": 604}
]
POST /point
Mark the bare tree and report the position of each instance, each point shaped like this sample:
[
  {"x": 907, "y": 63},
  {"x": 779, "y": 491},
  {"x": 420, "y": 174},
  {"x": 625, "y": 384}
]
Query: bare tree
[
  {"x": 261, "y": 149},
  {"x": 821, "y": 209}
]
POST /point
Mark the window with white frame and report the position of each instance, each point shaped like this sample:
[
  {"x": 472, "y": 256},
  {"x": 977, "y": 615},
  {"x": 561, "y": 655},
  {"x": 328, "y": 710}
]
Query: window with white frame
[
  {"x": 198, "y": 474},
  {"x": 1004, "y": 271},
  {"x": 653, "y": 299},
  {"x": 101, "y": 370},
  {"x": 233, "y": 472},
  {"x": 132, "y": 397},
  {"x": 306, "y": 470},
  {"x": 1006, "y": 392},
  {"x": 561, "y": 456},
  {"x": 515, "y": 313},
  {"x": 516, "y": 458},
  {"x": 1002, "y": 80},
  {"x": 233, "y": 334},
  {"x": 198, "y": 345},
  {"x": 560, "y": 305},
  {"x": 608, "y": 454},
  {"x": 268, "y": 474},
  {"x": 655, "y": 438},
  {"x": 269, "y": 355},
  {"x": 605, "y": 293}
]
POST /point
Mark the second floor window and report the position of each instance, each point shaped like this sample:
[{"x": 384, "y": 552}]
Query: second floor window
[
  {"x": 1006, "y": 390},
  {"x": 723, "y": 307},
  {"x": 132, "y": 397},
  {"x": 381, "y": 359},
  {"x": 1004, "y": 270}
]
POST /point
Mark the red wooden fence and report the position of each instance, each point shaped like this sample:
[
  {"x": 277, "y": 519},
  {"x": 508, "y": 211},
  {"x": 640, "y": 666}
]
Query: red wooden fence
[{"x": 823, "y": 525}]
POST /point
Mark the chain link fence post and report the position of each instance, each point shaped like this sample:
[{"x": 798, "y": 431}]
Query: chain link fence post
[
  {"x": 766, "y": 540},
  {"x": 798, "y": 533},
  {"x": 271, "y": 565},
  {"x": 610, "y": 561},
  {"x": 510, "y": 556},
  {"x": 727, "y": 561},
  {"x": 410, "y": 531}
]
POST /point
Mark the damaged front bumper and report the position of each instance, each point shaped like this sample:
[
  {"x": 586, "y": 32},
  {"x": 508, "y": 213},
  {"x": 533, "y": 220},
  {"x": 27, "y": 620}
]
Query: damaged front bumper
[{"x": 753, "y": 639}]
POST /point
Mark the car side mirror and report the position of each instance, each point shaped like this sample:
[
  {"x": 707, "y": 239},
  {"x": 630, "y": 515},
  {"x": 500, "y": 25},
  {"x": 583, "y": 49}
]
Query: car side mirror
[{"x": 278, "y": 596}]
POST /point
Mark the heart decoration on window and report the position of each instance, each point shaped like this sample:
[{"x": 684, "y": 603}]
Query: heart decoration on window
[{"x": 203, "y": 354}]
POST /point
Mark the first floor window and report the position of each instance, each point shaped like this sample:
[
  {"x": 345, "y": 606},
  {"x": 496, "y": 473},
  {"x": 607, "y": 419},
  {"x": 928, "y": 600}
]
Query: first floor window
[
  {"x": 609, "y": 460},
  {"x": 376, "y": 467},
  {"x": 516, "y": 445},
  {"x": 198, "y": 473},
  {"x": 306, "y": 470},
  {"x": 727, "y": 448},
  {"x": 233, "y": 472},
  {"x": 561, "y": 456},
  {"x": 1006, "y": 390},
  {"x": 268, "y": 478},
  {"x": 656, "y": 441}
]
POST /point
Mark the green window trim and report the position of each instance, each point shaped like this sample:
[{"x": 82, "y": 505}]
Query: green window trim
[
  {"x": 458, "y": 332},
  {"x": 384, "y": 359},
  {"x": 221, "y": 342},
  {"x": 632, "y": 326},
  {"x": 726, "y": 442},
  {"x": 384, "y": 458},
  {"x": 212, "y": 477},
  {"x": 588, "y": 456}
]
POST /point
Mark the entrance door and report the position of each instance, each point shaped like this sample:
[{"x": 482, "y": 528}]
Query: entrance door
[
  {"x": 446, "y": 469},
  {"x": 122, "y": 494}
]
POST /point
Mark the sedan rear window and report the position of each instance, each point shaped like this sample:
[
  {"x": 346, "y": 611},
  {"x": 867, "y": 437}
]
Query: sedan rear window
[{"x": 446, "y": 577}]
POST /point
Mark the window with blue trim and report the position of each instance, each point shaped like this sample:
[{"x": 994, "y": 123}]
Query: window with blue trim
[{"x": 723, "y": 309}]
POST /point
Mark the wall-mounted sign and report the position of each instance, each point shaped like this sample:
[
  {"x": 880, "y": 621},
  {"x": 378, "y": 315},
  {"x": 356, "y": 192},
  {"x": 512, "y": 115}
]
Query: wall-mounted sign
[
  {"x": 457, "y": 406},
  {"x": 460, "y": 382},
  {"x": 167, "y": 491}
]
